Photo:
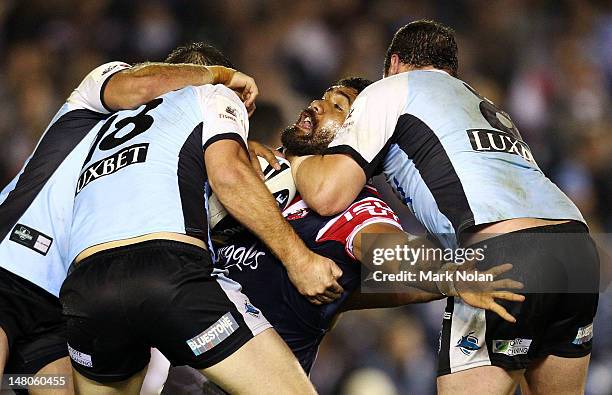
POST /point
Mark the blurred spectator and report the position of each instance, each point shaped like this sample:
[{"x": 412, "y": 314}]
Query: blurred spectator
[{"x": 266, "y": 123}]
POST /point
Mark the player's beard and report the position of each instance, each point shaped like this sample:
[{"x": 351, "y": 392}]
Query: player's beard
[{"x": 299, "y": 144}]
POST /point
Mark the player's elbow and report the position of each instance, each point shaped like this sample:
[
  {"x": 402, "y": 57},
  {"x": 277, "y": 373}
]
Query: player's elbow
[
  {"x": 145, "y": 89},
  {"x": 131, "y": 91},
  {"x": 328, "y": 201}
]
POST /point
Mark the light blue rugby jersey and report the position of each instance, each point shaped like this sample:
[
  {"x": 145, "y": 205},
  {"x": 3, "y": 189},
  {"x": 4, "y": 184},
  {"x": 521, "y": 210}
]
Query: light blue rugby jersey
[
  {"x": 36, "y": 207},
  {"x": 450, "y": 155},
  {"x": 145, "y": 172}
]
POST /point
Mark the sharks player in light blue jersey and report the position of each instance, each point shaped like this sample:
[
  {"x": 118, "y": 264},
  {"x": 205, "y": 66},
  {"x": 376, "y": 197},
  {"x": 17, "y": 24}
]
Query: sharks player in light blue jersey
[
  {"x": 142, "y": 265},
  {"x": 460, "y": 165},
  {"x": 36, "y": 207}
]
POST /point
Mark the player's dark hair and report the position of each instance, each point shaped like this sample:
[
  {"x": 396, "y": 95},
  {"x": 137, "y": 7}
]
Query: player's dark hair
[
  {"x": 425, "y": 43},
  {"x": 356, "y": 83},
  {"x": 199, "y": 53}
]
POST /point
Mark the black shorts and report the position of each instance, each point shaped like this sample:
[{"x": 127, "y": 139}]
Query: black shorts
[
  {"x": 32, "y": 320},
  {"x": 121, "y": 302},
  {"x": 548, "y": 323}
]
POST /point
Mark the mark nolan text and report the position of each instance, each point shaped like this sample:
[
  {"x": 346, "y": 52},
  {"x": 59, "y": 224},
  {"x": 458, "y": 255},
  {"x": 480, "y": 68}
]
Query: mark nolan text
[{"x": 406, "y": 276}]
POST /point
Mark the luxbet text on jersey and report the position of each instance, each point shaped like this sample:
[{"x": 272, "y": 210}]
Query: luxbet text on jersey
[{"x": 128, "y": 156}]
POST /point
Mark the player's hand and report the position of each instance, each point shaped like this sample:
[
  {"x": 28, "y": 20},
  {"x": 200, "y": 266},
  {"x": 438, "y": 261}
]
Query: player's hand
[
  {"x": 482, "y": 294},
  {"x": 246, "y": 88},
  {"x": 316, "y": 277},
  {"x": 258, "y": 149}
]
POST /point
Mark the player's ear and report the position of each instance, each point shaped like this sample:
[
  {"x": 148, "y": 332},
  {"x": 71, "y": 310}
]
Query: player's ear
[{"x": 394, "y": 66}]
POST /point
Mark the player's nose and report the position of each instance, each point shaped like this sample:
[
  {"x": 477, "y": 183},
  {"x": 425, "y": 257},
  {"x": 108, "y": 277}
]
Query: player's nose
[{"x": 317, "y": 106}]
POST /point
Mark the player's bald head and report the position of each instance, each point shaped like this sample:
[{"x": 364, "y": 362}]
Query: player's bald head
[{"x": 199, "y": 53}]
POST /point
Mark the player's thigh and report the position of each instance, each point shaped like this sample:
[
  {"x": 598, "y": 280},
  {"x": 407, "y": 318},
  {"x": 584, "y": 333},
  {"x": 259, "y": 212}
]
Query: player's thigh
[
  {"x": 481, "y": 380},
  {"x": 58, "y": 368},
  {"x": 264, "y": 356},
  {"x": 556, "y": 375},
  {"x": 130, "y": 386},
  {"x": 4, "y": 351}
]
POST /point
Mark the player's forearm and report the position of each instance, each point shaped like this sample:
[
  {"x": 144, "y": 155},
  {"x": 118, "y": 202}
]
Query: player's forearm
[
  {"x": 361, "y": 301},
  {"x": 383, "y": 247},
  {"x": 248, "y": 200},
  {"x": 142, "y": 83},
  {"x": 320, "y": 185}
]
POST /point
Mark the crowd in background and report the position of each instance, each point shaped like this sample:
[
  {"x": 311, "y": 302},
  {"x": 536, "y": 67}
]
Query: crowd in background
[{"x": 547, "y": 63}]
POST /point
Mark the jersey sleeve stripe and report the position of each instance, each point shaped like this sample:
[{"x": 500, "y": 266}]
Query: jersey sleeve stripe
[
  {"x": 226, "y": 136},
  {"x": 350, "y": 151},
  {"x": 103, "y": 87}
]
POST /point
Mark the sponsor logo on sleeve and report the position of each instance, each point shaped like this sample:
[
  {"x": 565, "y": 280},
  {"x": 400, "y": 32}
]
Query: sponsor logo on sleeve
[
  {"x": 114, "y": 67},
  {"x": 511, "y": 347},
  {"x": 231, "y": 111},
  {"x": 31, "y": 238},
  {"x": 227, "y": 109},
  {"x": 585, "y": 334},
  {"x": 213, "y": 335},
  {"x": 80, "y": 357}
]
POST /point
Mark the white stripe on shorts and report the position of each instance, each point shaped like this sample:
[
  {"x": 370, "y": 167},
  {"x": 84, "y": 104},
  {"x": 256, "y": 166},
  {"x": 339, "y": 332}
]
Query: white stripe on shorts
[
  {"x": 468, "y": 348},
  {"x": 253, "y": 317}
]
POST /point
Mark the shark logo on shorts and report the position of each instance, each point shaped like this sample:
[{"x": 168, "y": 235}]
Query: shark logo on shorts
[
  {"x": 250, "y": 309},
  {"x": 468, "y": 343}
]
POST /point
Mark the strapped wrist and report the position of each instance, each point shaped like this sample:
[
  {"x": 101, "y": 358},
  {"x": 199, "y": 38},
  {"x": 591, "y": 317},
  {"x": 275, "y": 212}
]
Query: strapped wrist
[{"x": 220, "y": 74}]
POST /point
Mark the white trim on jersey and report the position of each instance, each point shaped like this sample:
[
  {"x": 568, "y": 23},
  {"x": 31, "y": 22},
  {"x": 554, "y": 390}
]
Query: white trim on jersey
[
  {"x": 89, "y": 93},
  {"x": 372, "y": 121},
  {"x": 223, "y": 112}
]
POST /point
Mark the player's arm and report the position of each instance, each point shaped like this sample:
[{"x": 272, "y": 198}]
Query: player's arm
[
  {"x": 329, "y": 183},
  {"x": 362, "y": 301},
  {"x": 137, "y": 85},
  {"x": 382, "y": 236},
  {"x": 247, "y": 199},
  {"x": 370, "y": 215},
  {"x": 480, "y": 295},
  {"x": 119, "y": 86}
]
